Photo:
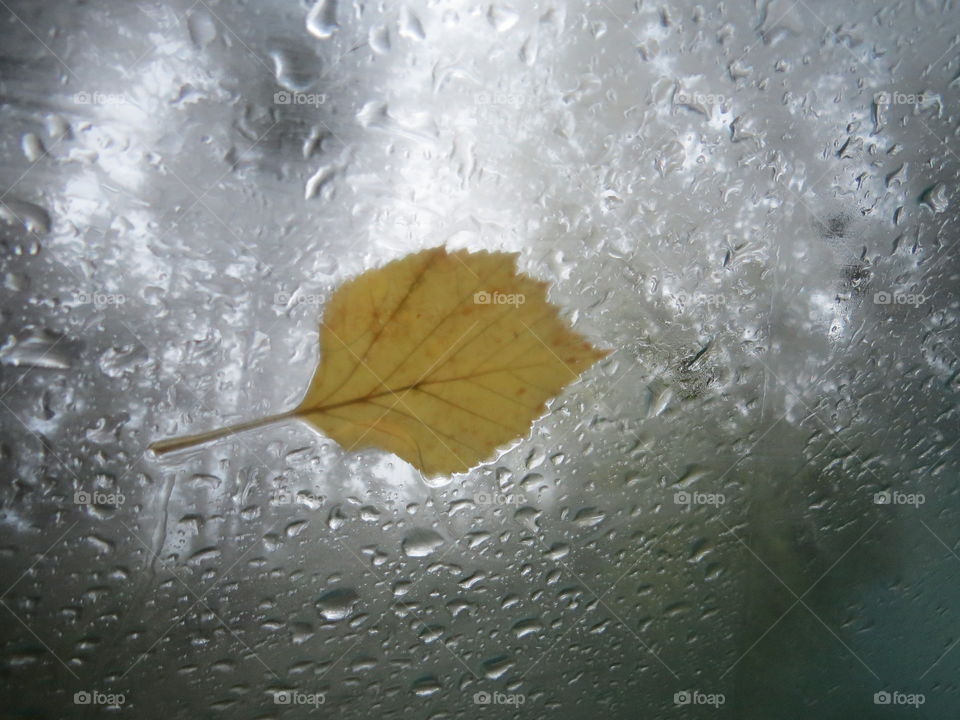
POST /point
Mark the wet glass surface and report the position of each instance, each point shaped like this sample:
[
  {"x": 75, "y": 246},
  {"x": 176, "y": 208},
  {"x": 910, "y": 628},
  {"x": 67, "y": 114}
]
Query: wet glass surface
[{"x": 748, "y": 510}]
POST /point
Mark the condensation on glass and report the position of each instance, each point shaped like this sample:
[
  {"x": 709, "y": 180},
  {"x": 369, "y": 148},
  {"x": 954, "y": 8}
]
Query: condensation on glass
[{"x": 748, "y": 510}]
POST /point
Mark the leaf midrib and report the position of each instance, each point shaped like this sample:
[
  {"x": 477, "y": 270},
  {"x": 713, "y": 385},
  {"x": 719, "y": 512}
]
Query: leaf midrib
[{"x": 396, "y": 391}]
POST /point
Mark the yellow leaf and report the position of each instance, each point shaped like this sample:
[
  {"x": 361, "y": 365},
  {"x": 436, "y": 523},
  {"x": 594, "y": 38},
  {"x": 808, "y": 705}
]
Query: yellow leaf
[{"x": 439, "y": 357}]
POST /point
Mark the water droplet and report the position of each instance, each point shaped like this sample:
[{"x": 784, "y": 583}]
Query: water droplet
[
  {"x": 421, "y": 542},
  {"x": 659, "y": 400},
  {"x": 527, "y": 516},
  {"x": 295, "y": 70},
  {"x": 101, "y": 545},
  {"x": 677, "y": 609},
  {"x": 336, "y": 518},
  {"x": 119, "y": 361},
  {"x": 22, "y": 659},
  {"x": 203, "y": 30},
  {"x": 557, "y": 551},
  {"x": 295, "y": 528},
  {"x": 313, "y": 141},
  {"x": 39, "y": 349},
  {"x": 589, "y": 517},
  {"x": 379, "y": 40},
  {"x": 426, "y": 686},
  {"x": 430, "y": 633},
  {"x": 935, "y": 198},
  {"x": 208, "y": 554},
  {"x": 527, "y": 627},
  {"x": 502, "y": 17},
  {"x": 410, "y": 26},
  {"x": 496, "y": 668},
  {"x": 316, "y": 182},
  {"x": 535, "y": 458},
  {"x": 19, "y": 212},
  {"x": 336, "y": 604},
  {"x": 16, "y": 282},
  {"x": 368, "y": 513},
  {"x": 898, "y": 176},
  {"x": 300, "y": 632},
  {"x": 32, "y": 146},
  {"x": 322, "y": 19},
  {"x": 57, "y": 127}
]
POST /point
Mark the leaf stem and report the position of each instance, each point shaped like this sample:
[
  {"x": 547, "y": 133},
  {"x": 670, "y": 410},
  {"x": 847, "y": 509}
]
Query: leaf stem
[{"x": 163, "y": 447}]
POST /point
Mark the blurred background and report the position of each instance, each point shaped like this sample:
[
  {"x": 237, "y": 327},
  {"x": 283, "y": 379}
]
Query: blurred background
[{"x": 748, "y": 510}]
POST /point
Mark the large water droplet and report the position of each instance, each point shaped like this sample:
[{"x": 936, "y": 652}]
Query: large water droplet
[
  {"x": 336, "y": 604},
  {"x": 203, "y": 29},
  {"x": 322, "y": 19},
  {"x": 410, "y": 26},
  {"x": 295, "y": 70},
  {"x": 935, "y": 198},
  {"x": 527, "y": 627},
  {"x": 426, "y": 686},
  {"x": 39, "y": 349},
  {"x": 502, "y": 18},
  {"x": 421, "y": 542},
  {"x": 379, "y": 40},
  {"x": 495, "y": 668},
  {"x": 20, "y": 212},
  {"x": 588, "y": 517},
  {"x": 33, "y": 148}
]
